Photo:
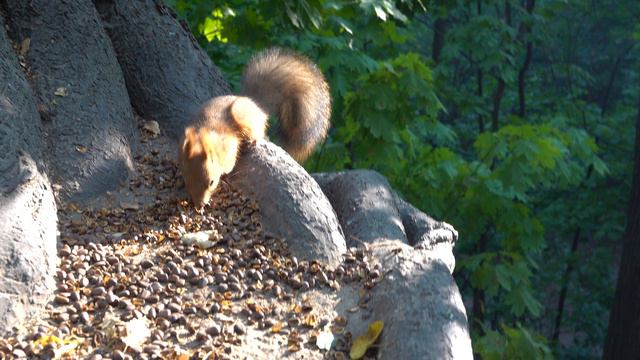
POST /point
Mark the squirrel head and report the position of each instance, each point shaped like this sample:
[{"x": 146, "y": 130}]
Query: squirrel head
[{"x": 204, "y": 157}]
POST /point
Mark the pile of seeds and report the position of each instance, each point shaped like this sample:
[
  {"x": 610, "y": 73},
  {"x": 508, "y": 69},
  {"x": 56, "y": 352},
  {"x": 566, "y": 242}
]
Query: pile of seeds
[{"x": 128, "y": 287}]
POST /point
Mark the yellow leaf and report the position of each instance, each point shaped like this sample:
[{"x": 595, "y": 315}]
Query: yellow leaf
[
  {"x": 48, "y": 339},
  {"x": 277, "y": 326},
  {"x": 363, "y": 342},
  {"x": 310, "y": 320}
]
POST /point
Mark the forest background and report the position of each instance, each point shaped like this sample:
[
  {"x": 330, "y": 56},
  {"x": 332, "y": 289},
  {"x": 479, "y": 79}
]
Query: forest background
[{"x": 513, "y": 120}]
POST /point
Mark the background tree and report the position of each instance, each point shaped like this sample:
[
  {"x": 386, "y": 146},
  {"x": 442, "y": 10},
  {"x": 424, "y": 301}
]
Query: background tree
[{"x": 624, "y": 320}]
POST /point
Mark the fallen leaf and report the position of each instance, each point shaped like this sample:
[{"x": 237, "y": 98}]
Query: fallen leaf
[
  {"x": 294, "y": 347},
  {"x": 277, "y": 326},
  {"x": 60, "y": 347},
  {"x": 152, "y": 127},
  {"x": 363, "y": 342},
  {"x": 65, "y": 349},
  {"x": 47, "y": 339},
  {"x": 137, "y": 333},
  {"x": 61, "y": 91},
  {"x": 129, "y": 206},
  {"x": 295, "y": 308},
  {"x": 201, "y": 239},
  {"x": 310, "y": 321},
  {"x": 24, "y": 46},
  {"x": 340, "y": 320},
  {"x": 81, "y": 149},
  {"x": 325, "y": 340}
]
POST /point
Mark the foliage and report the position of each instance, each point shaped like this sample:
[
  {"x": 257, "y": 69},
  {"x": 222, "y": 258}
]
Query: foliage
[{"x": 512, "y": 121}]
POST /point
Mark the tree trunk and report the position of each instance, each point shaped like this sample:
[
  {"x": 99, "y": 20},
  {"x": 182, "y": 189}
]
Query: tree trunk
[
  {"x": 88, "y": 125},
  {"x": 526, "y": 30},
  {"x": 623, "y": 336},
  {"x": 439, "y": 31},
  {"x": 479, "y": 78},
  {"x": 168, "y": 75},
  {"x": 565, "y": 286},
  {"x": 27, "y": 209}
]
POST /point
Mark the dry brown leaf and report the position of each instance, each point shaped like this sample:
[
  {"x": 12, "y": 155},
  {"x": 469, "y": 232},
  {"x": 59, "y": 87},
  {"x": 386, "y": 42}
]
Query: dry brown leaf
[
  {"x": 24, "y": 46},
  {"x": 340, "y": 320}
]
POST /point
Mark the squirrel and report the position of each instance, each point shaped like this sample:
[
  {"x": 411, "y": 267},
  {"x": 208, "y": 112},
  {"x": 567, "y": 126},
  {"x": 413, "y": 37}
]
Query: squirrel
[{"x": 277, "y": 82}]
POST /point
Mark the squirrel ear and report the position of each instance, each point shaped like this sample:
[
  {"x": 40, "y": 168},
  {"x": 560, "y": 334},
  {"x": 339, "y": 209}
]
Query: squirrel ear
[
  {"x": 190, "y": 141},
  {"x": 249, "y": 117},
  {"x": 206, "y": 142}
]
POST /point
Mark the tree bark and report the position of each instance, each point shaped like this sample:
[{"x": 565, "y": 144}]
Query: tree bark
[
  {"x": 623, "y": 335},
  {"x": 479, "y": 78},
  {"x": 499, "y": 93},
  {"x": 27, "y": 209},
  {"x": 168, "y": 75},
  {"x": 526, "y": 30},
  {"x": 294, "y": 205},
  {"x": 612, "y": 76},
  {"x": 439, "y": 32},
  {"x": 565, "y": 286},
  {"x": 369, "y": 206},
  {"x": 78, "y": 85}
]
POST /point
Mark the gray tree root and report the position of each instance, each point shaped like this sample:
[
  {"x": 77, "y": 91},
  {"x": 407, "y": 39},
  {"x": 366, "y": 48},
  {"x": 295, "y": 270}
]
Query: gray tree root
[
  {"x": 27, "y": 208},
  {"x": 291, "y": 202},
  {"x": 417, "y": 298},
  {"x": 365, "y": 204},
  {"x": 420, "y": 304},
  {"x": 168, "y": 75},
  {"x": 79, "y": 91},
  {"x": 369, "y": 210}
]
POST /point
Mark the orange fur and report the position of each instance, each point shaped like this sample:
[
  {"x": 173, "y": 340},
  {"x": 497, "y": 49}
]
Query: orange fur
[
  {"x": 277, "y": 82},
  {"x": 211, "y": 144}
]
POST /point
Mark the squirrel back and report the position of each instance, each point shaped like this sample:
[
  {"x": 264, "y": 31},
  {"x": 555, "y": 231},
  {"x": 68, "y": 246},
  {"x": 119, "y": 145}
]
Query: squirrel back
[
  {"x": 292, "y": 88},
  {"x": 275, "y": 82}
]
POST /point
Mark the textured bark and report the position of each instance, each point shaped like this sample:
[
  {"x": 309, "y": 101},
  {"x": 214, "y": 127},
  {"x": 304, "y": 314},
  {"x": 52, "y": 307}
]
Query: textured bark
[
  {"x": 80, "y": 92},
  {"x": 623, "y": 336},
  {"x": 439, "y": 31},
  {"x": 27, "y": 208},
  {"x": 526, "y": 31},
  {"x": 365, "y": 205},
  {"x": 420, "y": 304},
  {"x": 422, "y": 230},
  {"x": 370, "y": 211},
  {"x": 168, "y": 75},
  {"x": 292, "y": 203},
  {"x": 417, "y": 299}
]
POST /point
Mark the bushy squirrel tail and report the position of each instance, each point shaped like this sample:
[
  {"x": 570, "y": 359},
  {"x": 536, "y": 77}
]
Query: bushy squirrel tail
[{"x": 291, "y": 87}]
